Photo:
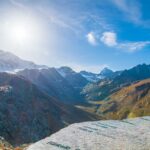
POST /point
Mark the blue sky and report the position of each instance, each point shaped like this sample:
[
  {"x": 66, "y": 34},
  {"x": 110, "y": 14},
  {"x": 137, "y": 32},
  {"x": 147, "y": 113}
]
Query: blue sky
[{"x": 83, "y": 34}]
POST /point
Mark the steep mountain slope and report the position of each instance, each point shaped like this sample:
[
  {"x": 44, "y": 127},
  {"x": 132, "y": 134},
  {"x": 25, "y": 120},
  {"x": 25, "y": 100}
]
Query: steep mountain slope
[
  {"x": 4, "y": 145},
  {"x": 73, "y": 78},
  {"x": 130, "y": 101},
  {"x": 27, "y": 114},
  {"x": 136, "y": 73},
  {"x": 51, "y": 82},
  {"x": 130, "y": 134},
  {"x": 97, "y": 91},
  {"x": 92, "y": 77},
  {"x": 105, "y": 73},
  {"x": 11, "y": 62},
  {"x": 100, "y": 90}
]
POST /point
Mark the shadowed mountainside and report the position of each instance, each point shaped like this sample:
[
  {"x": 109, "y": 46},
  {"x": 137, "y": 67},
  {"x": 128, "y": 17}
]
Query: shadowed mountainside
[
  {"x": 75, "y": 79},
  {"x": 52, "y": 83},
  {"x": 28, "y": 115}
]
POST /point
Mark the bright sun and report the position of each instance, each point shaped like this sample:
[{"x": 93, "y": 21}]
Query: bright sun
[
  {"x": 21, "y": 30},
  {"x": 22, "y": 33}
]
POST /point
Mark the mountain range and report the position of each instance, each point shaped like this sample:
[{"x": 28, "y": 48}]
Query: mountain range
[
  {"x": 37, "y": 100},
  {"x": 10, "y": 62},
  {"x": 53, "y": 84},
  {"x": 75, "y": 79},
  {"x": 103, "y": 88},
  {"x": 105, "y": 73}
]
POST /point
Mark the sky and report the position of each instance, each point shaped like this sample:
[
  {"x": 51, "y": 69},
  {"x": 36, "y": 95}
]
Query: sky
[{"x": 83, "y": 34}]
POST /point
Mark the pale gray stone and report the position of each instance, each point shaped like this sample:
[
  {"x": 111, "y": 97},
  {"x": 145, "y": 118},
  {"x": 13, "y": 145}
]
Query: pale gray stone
[{"x": 130, "y": 134}]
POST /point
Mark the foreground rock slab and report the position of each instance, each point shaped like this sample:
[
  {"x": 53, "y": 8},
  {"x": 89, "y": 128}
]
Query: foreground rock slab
[{"x": 130, "y": 134}]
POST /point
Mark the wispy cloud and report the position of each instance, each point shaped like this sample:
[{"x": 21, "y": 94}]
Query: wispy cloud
[
  {"x": 97, "y": 23},
  {"x": 71, "y": 17},
  {"x": 17, "y": 3},
  {"x": 133, "y": 46},
  {"x": 130, "y": 9},
  {"x": 60, "y": 22},
  {"x": 91, "y": 38}
]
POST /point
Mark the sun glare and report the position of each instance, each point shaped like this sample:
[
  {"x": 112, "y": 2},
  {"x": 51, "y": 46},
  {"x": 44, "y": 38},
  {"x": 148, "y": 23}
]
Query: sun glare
[
  {"x": 20, "y": 30},
  {"x": 20, "y": 33}
]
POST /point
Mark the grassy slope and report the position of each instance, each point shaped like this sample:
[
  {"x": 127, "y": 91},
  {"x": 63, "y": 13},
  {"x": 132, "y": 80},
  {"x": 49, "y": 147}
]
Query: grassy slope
[{"x": 131, "y": 101}]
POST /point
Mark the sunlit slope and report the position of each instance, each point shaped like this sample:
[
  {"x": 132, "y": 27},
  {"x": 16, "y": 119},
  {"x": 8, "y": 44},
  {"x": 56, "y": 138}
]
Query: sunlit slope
[{"x": 130, "y": 101}]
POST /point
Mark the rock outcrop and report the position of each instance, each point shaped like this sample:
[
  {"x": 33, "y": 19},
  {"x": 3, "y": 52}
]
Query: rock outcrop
[{"x": 130, "y": 134}]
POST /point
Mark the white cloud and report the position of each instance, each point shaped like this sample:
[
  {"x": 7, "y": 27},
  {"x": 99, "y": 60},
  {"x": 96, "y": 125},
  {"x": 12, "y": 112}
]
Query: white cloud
[
  {"x": 91, "y": 38},
  {"x": 109, "y": 38}
]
